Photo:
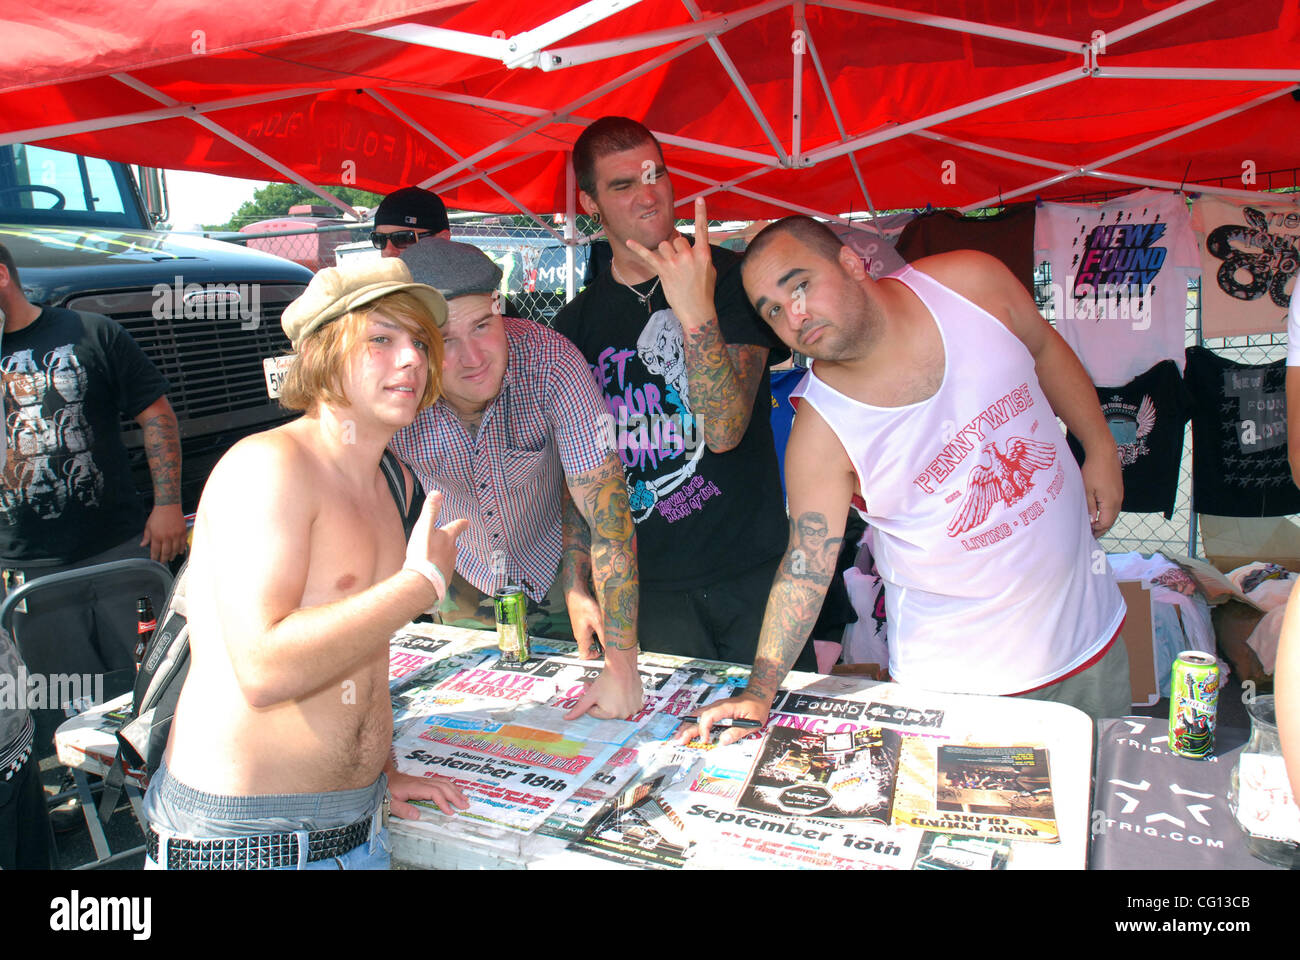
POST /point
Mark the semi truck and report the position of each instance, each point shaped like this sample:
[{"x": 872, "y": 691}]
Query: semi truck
[{"x": 84, "y": 234}]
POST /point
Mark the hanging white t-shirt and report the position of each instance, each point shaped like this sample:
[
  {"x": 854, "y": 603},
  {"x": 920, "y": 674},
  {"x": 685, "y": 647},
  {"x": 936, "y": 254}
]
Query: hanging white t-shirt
[
  {"x": 1119, "y": 280},
  {"x": 993, "y": 581}
]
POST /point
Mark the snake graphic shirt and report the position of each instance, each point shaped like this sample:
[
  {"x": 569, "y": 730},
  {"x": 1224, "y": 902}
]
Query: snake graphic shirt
[
  {"x": 1119, "y": 280},
  {"x": 1239, "y": 443},
  {"x": 701, "y": 516},
  {"x": 66, "y": 491},
  {"x": 1250, "y": 258}
]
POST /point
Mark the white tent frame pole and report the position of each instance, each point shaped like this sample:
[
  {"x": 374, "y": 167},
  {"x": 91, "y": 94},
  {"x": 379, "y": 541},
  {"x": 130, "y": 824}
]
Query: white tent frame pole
[
  {"x": 519, "y": 108},
  {"x": 953, "y": 23},
  {"x": 1256, "y": 195},
  {"x": 213, "y": 127},
  {"x": 1091, "y": 169},
  {"x": 440, "y": 38},
  {"x": 1154, "y": 20},
  {"x": 689, "y": 143},
  {"x": 729, "y": 66},
  {"x": 717, "y": 186},
  {"x": 1197, "y": 73},
  {"x": 994, "y": 151},
  {"x": 529, "y": 44},
  {"x": 796, "y": 96},
  {"x": 835, "y": 114},
  {"x": 730, "y": 187},
  {"x": 471, "y": 177},
  {"x": 479, "y": 174},
  {"x": 570, "y": 233},
  {"x": 1190, "y": 127},
  {"x": 997, "y": 99},
  {"x": 1037, "y": 185},
  {"x": 562, "y": 57},
  {"x": 540, "y": 122},
  {"x": 520, "y": 50},
  {"x": 33, "y": 134}
]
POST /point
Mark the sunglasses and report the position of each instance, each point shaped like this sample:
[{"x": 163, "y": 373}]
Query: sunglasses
[{"x": 401, "y": 239}]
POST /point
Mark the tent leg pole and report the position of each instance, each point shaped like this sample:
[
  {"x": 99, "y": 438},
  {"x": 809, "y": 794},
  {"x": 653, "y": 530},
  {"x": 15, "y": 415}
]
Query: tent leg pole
[{"x": 570, "y": 233}]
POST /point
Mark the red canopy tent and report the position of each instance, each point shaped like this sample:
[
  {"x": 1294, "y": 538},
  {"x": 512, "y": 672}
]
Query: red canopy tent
[{"x": 820, "y": 107}]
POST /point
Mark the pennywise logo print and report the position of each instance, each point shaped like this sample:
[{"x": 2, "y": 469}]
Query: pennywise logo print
[{"x": 1002, "y": 478}]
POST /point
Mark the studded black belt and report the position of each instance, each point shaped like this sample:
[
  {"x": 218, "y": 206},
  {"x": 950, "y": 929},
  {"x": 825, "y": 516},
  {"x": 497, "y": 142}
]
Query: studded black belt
[{"x": 261, "y": 852}]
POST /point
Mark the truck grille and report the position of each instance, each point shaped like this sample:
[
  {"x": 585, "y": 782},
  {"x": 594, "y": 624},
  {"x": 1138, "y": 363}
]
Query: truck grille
[
  {"x": 214, "y": 370},
  {"x": 214, "y": 367}
]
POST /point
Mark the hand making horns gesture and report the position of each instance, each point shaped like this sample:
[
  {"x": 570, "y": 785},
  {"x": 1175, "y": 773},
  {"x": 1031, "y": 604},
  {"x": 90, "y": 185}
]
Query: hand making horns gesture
[{"x": 686, "y": 271}]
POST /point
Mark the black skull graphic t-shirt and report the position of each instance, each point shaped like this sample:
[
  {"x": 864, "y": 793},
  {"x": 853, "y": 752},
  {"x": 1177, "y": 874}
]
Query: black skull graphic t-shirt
[
  {"x": 701, "y": 516},
  {"x": 66, "y": 492}
]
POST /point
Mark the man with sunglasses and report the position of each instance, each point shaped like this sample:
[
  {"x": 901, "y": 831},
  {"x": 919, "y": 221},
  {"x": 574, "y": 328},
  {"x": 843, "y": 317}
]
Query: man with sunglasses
[{"x": 406, "y": 216}]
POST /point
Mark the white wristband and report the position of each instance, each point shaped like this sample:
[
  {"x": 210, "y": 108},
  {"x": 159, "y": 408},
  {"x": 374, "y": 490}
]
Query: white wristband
[{"x": 429, "y": 570}]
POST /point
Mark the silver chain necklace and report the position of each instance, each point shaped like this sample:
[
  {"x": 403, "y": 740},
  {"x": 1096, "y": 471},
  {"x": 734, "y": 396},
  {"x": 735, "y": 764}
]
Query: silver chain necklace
[{"x": 644, "y": 298}]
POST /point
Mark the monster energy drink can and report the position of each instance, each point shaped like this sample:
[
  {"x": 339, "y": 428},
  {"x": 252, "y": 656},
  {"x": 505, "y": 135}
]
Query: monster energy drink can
[
  {"x": 1193, "y": 704},
  {"x": 512, "y": 624}
]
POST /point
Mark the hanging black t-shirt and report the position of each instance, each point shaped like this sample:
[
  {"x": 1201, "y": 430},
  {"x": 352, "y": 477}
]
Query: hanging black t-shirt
[
  {"x": 1009, "y": 236},
  {"x": 1239, "y": 450},
  {"x": 66, "y": 493},
  {"x": 1147, "y": 416},
  {"x": 701, "y": 516}
]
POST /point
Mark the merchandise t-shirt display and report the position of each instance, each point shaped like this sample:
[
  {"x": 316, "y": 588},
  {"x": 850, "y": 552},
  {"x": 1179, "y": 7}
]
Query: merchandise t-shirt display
[
  {"x": 1009, "y": 236},
  {"x": 1250, "y": 254},
  {"x": 67, "y": 492},
  {"x": 1239, "y": 450},
  {"x": 1119, "y": 280},
  {"x": 701, "y": 516},
  {"x": 1147, "y": 416}
]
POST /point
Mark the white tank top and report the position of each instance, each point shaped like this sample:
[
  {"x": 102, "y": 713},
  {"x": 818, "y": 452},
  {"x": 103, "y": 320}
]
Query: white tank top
[{"x": 993, "y": 581}]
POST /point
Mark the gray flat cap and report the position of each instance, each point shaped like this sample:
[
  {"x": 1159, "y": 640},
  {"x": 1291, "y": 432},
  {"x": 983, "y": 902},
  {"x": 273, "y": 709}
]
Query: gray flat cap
[{"x": 453, "y": 269}]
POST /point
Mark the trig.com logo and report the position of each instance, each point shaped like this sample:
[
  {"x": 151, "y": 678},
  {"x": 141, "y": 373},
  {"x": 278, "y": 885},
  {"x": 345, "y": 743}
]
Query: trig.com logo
[
  {"x": 209, "y": 301},
  {"x": 78, "y": 914}
]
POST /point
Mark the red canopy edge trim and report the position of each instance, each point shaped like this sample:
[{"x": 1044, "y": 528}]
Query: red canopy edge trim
[{"x": 358, "y": 24}]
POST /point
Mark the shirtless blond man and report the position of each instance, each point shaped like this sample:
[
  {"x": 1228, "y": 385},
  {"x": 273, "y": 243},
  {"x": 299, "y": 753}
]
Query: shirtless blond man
[{"x": 298, "y": 577}]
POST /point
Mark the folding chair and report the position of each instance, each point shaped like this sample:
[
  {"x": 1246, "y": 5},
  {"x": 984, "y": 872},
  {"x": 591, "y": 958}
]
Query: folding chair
[{"x": 139, "y": 572}]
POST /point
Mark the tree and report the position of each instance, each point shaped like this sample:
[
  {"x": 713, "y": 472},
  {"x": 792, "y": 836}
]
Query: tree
[{"x": 275, "y": 199}]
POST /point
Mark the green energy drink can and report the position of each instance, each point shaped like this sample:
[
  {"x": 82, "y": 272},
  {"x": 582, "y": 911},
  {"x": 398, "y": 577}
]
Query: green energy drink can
[
  {"x": 1193, "y": 704},
  {"x": 512, "y": 624}
]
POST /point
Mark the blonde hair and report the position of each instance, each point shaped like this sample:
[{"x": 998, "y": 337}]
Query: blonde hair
[{"x": 317, "y": 371}]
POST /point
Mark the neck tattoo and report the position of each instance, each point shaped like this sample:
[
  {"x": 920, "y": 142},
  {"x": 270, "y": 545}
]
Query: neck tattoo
[{"x": 644, "y": 298}]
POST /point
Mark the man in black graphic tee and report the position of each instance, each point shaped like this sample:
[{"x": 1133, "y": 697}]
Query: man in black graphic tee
[
  {"x": 66, "y": 496},
  {"x": 689, "y": 403}
]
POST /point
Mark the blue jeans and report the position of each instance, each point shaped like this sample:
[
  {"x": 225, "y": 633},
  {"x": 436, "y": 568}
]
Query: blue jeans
[{"x": 174, "y": 809}]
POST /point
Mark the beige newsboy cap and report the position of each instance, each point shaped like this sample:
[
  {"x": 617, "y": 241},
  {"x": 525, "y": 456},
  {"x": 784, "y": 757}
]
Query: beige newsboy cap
[{"x": 336, "y": 291}]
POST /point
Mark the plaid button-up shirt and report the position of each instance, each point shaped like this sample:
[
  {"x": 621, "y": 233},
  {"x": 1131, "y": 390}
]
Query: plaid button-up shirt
[{"x": 545, "y": 424}]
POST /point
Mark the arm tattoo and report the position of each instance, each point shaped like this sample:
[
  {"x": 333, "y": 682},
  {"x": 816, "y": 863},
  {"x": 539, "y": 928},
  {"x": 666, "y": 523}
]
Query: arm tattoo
[
  {"x": 722, "y": 382},
  {"x": 162, "y": 447},
  {"x": 600, "y": 496},
  {"x": 801, "y": 582},
  {"x": 575, "y": 561}
]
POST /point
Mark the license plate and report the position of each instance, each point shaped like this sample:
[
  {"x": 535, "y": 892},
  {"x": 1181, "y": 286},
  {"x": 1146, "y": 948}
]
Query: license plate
[{"x": 275, "y": 368}]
